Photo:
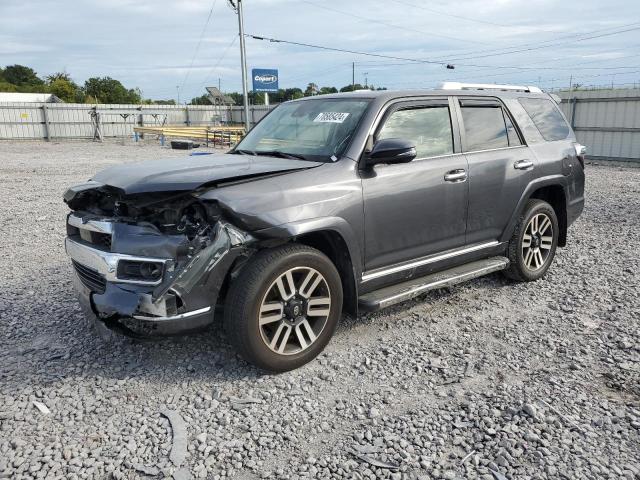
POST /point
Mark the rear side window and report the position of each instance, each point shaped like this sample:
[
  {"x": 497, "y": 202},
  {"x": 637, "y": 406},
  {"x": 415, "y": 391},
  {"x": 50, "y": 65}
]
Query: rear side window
[
  {"x": 484, "y": 127},
  {"x": 546, "y": 118},
  {"x": 428, "y": 127}
]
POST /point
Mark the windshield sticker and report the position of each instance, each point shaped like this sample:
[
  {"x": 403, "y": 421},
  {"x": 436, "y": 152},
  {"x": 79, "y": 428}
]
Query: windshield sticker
[{"x": 331, "y": 117}]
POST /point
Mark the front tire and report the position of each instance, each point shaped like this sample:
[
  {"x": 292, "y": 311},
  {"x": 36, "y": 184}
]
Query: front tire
[
  {"x": 534, "y": 242},
  {"x": 283, "y": 308}
]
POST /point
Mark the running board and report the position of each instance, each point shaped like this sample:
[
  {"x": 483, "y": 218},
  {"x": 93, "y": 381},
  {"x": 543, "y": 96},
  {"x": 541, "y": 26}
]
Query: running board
[{"x": 401, "y": 292}]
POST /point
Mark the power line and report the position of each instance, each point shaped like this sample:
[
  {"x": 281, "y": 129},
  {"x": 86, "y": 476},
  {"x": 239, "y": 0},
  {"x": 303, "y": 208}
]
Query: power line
[
  {"x": 549, "y": 43},
  {"x": 212, "y": 69},
  {"x": 195, "y": 54},
  {"x": 500, "y": 51},
  {"x": 224, "y": 54},
  {"x": 354, "y": 52},
  {"x": 411, "y": 60},
  {"x": 500, "y": 67},
  {"x": 438, "y": 12},
  {"x": 404, "y": 28}
]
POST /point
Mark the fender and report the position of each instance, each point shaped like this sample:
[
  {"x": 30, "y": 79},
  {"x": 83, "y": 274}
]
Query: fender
[
  {"x": 339, "y": 225},
  {"x": 550, "y": 180}
]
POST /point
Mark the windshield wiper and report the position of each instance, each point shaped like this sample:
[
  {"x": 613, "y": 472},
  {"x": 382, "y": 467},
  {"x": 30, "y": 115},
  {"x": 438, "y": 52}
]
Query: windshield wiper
[
  {"x": 245, "y": 152},
  {"x": 278, "y": 153}
]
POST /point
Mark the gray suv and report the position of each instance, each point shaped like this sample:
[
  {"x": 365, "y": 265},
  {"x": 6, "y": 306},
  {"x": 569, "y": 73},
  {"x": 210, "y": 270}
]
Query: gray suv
[{"x": 339, "y": 203}]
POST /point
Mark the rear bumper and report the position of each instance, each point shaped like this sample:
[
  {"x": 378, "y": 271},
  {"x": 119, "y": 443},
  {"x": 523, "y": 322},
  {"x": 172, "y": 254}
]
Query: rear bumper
[{"x": 182, "y": 300}]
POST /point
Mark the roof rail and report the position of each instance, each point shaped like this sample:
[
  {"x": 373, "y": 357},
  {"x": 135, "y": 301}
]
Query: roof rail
[{"x": 489, "y": 86}]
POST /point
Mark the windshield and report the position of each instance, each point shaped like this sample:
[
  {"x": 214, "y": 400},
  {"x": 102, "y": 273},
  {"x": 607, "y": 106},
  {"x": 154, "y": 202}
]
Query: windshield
[{"x": 318, "y": 130}]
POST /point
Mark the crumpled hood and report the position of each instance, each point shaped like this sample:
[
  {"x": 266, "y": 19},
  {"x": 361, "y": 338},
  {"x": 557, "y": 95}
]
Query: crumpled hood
[{"x": 189, "y": 173}]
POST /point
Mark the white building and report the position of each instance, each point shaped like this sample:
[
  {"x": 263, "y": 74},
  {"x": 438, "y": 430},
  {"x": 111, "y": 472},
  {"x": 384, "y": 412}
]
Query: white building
[{"x": 29, "y": 97}]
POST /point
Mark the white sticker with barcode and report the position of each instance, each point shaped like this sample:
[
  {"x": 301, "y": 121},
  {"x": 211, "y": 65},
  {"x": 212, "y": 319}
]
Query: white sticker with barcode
[{"x": 331, "y": 117}]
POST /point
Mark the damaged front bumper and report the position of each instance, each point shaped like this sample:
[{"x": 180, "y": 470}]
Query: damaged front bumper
[{"x": 173, "y": 291}]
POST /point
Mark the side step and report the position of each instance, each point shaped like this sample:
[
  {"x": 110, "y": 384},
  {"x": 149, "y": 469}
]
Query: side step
[{"x": 412, "y": 288}]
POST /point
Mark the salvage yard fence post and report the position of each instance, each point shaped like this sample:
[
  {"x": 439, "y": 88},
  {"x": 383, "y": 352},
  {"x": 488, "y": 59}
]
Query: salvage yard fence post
[{"x": 47, "y": 130}]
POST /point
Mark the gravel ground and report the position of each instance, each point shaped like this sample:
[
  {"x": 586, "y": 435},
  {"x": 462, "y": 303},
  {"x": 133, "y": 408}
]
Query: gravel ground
[{"x": 487, "y": 380}]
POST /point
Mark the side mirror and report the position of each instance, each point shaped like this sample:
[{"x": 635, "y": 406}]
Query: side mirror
[{"x": 392, "y": 150}]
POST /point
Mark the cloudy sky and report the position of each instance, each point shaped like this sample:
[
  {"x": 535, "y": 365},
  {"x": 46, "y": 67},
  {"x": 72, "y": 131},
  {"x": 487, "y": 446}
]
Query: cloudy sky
[{"x": 153, "y": 44}]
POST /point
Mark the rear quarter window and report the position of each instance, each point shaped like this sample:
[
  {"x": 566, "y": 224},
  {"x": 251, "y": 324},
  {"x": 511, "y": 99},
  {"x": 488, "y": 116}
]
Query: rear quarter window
[{"x": 547, "y": 118}]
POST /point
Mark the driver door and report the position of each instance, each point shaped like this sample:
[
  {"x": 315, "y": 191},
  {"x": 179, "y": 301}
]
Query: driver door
[{"x": 418, "y": 208}]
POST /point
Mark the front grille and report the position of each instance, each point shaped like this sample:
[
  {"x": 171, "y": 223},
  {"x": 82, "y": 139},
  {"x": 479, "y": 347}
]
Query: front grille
[{"x": 90, "y": 278}]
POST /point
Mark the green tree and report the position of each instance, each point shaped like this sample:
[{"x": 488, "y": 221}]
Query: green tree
[
  {"x": 20, "y": 75},
  {"x": 352, "y": 88},
  {"x": 327, "y": 90},
  {"x": 201, "y": 100},
  {"x": 312, "y": 89},
  {"x": 237, "y": 98},
  {"x": 109, "y": 90},
  {"x": 58, "y": 76},
  {"x": 7, "y": 87},
  {"x": 292, "y": 94},
  {"x": 63, "y": 89}
]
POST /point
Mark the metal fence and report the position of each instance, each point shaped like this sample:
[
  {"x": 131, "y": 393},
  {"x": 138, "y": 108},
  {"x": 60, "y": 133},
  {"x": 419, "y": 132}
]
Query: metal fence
[
  {"x": 70, "y": 120},
  {"x": 606, "y": 121}
]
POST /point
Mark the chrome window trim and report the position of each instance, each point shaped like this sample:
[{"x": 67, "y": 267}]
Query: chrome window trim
[
  {"x": 423, "y": 159},
  {"x": 427, "y": 260},
  {"x": 106, "y": 263},
  {"x": 93, "y": 225},
  {"x": 495, "y": 149}
]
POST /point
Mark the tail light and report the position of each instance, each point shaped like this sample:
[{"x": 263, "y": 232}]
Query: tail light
[{"x": 581, "y": 152}]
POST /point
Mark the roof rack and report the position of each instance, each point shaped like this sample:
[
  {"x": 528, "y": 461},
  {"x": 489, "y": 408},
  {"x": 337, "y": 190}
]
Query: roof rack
[{"x": 489, "y": 86}]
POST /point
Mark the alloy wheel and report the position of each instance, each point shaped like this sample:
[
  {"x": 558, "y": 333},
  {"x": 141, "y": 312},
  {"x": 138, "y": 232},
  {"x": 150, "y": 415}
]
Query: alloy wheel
[
  {"x": 537, "y": 241},
  {"x": 294, "y": 311}
]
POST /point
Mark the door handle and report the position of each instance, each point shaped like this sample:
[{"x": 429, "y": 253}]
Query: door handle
[
  {"x": 523, "y": 165},
  {"x": 456, "y": 176}
]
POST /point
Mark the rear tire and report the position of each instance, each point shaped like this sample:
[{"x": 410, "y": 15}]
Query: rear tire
[
  {"x": 283, "y": 308},
  {"x": 534, "y": 242}
]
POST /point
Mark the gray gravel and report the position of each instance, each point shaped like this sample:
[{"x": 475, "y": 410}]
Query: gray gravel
[{"x": 487, "y": 380}]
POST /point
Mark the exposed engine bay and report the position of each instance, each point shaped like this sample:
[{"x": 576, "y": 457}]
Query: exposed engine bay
[{"x": 179, "y": 213}]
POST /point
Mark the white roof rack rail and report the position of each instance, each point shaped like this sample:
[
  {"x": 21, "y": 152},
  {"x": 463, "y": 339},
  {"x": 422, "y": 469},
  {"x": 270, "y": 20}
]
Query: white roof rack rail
[{"x": 489, "y": 86}]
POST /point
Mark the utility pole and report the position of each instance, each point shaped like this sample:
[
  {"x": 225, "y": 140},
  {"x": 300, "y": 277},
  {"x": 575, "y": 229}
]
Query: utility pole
[
  {"x": 353, "y": 77},
  {"x": 243, "y": 60},
  {"x": 178, "y": 90},
  {"x": 366, "y": 79}
]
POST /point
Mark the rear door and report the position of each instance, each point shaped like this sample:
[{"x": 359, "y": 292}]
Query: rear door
[
  {"x": 418, "y": 208},
  {"x": 500, "y": 166}
]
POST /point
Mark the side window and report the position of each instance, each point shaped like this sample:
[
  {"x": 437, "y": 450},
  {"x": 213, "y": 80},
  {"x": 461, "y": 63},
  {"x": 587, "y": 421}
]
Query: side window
[
  {"x": 428, "y": 127},
  {"x": 484, "y": 127},
  {"x": 546, "y": 117}
]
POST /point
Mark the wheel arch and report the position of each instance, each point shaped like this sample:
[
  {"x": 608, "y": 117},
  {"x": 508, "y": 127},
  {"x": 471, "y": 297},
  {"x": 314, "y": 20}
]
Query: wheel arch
[
  {"x": 553, "y": 190},
  {"x": 555, "y": 196},
  {"x": 333, "y": 237}
]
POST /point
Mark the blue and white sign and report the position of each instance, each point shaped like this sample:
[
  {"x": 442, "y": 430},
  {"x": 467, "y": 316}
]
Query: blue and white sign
[{"x": 265, "y": 80}]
